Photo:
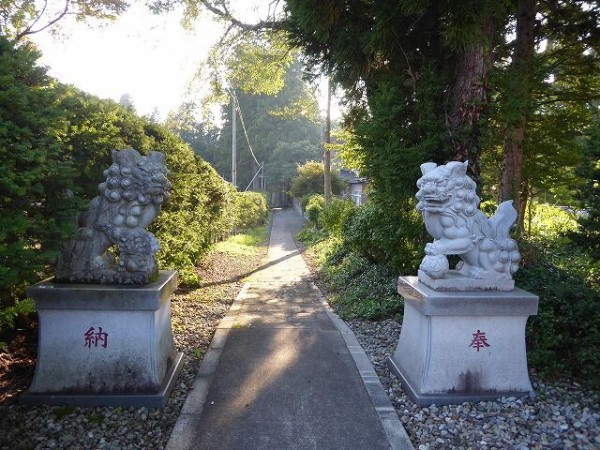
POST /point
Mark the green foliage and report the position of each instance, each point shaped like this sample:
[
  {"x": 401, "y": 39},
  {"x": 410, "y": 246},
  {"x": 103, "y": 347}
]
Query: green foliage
[
  {"x": 391, "y": 234},
  {"x": 203, "y": 138},
  {"x": 361, "y": 250},
  {"x": 563, "y": 339},
  {"x": 251, "y": 210},
  {"x": 360, "y": 289},
  {"x": 310, "y": 180},
  {"x": 335, "y": 214},
  {"x": 36, "y": 201},
  {"x": 55, "y": 142},
  {"x": 94, "y": 127},
  {"x": 244, "y": 243},
  {"x": 549, "y": 222},
  {"x": 279, "y": 140},
  {"x": 199, "y": 210},
  {"x": 19, "y": 18},
  {"x": 314, "y": 208},
  {"x": 588, "y": 233},
  {"x": 258, "y": 63},
  {"x": 284, "y": 160},
  {"x": 201, "y": 207},
  {"x": 8, "y": 314},
  {"x": 347, "y": 149}
]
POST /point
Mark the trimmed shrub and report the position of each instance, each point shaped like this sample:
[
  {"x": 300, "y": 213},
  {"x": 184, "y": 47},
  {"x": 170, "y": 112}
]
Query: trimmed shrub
[
  {"x": 335, "y": 214},
  {"x": 250, "y": 209},
  {"x": 360, "y": 288},
  {"x": 36, "y": 190},
  {"x": 393, "y": 235},
  {"x": 310, "y": 180}
]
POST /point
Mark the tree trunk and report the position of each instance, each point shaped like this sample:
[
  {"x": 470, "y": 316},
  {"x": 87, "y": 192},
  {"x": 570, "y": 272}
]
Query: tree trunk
[
  {"x": 469, "y": 96},
  {"x": 326, "y": 154},
  {"x": 519, "y": 96}
]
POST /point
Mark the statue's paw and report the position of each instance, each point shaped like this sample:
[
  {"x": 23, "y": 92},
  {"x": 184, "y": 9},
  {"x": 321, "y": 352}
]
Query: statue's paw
[
  {"x": 475, "y": 272},
  {"x": 430, "y": 249},
  {"x": 435, "y": 266},
  {"x": 98, "y": 263}
]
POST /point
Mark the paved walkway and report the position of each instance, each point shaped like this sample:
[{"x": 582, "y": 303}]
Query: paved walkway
[{"x": 285, "y": 373}]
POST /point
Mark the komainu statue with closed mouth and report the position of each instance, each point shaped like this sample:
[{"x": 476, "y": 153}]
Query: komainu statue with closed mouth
[{"x": 112, "y": 245}]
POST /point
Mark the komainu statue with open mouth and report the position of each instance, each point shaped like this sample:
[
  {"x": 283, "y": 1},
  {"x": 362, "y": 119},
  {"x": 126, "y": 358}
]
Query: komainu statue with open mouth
[{"x": 450, "y": 207}]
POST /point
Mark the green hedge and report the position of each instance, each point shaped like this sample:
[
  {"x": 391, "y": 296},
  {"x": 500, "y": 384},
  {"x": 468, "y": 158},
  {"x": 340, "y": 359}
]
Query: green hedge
[
  {"x": 36, "y": 201},
  {"x": 251, "y": 210},
  {"x": 55, "y": 142}
]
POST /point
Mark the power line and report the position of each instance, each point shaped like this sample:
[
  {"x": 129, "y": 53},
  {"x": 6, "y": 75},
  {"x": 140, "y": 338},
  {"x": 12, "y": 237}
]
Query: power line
[{"x": 238, "y": 109}]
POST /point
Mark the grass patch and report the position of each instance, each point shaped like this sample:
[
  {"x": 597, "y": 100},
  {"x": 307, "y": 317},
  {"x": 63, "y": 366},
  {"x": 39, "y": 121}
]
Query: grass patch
[
  {"x": 359, "y": 288},
  {"x": 248, "y": 242}
]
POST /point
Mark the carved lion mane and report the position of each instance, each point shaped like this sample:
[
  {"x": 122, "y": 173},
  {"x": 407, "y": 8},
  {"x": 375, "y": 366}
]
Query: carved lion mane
[
  {"x": 130, "y": 199},
  {"x": 449, "y": 204}
]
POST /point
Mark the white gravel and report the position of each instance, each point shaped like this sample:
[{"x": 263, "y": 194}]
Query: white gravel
[{"x": 562, "y": 415}]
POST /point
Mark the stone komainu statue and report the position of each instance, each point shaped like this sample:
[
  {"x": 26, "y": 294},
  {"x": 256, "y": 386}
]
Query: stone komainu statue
[
  {"x": 130, "y": 199},
  {"x": 449, "y": 204}
]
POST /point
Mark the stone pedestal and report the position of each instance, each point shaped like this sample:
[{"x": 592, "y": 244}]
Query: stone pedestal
[
  {"x": 104, "y": 345},
  {"x": 462, "y": 346}
]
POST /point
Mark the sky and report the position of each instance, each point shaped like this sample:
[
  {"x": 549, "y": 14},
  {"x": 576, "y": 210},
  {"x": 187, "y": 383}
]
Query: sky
[{"x": 152, "y": 58}]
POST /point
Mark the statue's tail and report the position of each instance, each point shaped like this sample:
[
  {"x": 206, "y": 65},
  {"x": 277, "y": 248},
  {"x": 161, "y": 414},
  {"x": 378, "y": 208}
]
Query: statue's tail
[
  {"x": 505, "y": 217},
  {"x": 506, "y": 254}
]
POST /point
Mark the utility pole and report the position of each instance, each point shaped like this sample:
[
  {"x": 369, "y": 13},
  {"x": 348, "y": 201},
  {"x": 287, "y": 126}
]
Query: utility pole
[
  {"x": 326, "y": 154},
  {"x": 233, "y": 142}
]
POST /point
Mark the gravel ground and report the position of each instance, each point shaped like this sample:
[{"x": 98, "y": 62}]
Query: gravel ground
[
  {"x": 561, "y": 416},
  {"x": 195, "y": 316}
]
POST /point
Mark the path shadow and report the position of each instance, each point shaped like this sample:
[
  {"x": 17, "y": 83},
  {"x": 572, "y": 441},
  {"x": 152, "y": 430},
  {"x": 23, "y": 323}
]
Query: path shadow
[{"x": 252, "y": 272}]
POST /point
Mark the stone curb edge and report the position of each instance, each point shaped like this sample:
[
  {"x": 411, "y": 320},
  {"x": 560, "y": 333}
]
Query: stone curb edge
[
  {"x": 392, "y": 426},
  {"x": 182, "y": 434}
]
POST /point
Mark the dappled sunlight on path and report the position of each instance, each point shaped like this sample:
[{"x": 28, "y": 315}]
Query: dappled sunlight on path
[{"x": 285, "y": 377}]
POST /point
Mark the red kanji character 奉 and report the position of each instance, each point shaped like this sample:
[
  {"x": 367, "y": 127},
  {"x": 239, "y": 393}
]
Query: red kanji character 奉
[{"x": 479, "y": 340}]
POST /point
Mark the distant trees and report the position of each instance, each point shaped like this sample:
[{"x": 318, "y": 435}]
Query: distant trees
[
  {"x": 279, "y": 128},
  {"x": 452, "y": 80},
  {"x": 588, "y": 194},
  {"x": 270, "y": 126}
]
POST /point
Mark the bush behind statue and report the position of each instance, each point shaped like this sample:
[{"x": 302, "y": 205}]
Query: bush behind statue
[{"x": 564, "y": 338}]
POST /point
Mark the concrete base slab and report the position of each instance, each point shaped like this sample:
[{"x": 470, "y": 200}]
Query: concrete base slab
[
  {"x": 462, "y": 347},
  {"x": 104, "y": 341},
  {"x": 456, "y": 281},
  {"x": 447, "y": 398},
  {"x": 158, "y": 400}
]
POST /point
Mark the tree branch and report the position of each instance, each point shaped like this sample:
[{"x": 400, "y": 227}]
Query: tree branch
[
  {"x": 29, "y": 30},
  {"x": 259, "y": 26}
]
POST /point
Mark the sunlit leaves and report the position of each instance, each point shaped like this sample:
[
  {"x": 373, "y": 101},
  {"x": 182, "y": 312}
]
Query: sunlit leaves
[
  {"x": 19, "y": 18},
  {"x": 309, "y": 180},
  {"x": 257, "y": 64}
]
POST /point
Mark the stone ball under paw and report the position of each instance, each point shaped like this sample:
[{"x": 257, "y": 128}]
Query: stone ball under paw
[{"x": 435, "y": 265}]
